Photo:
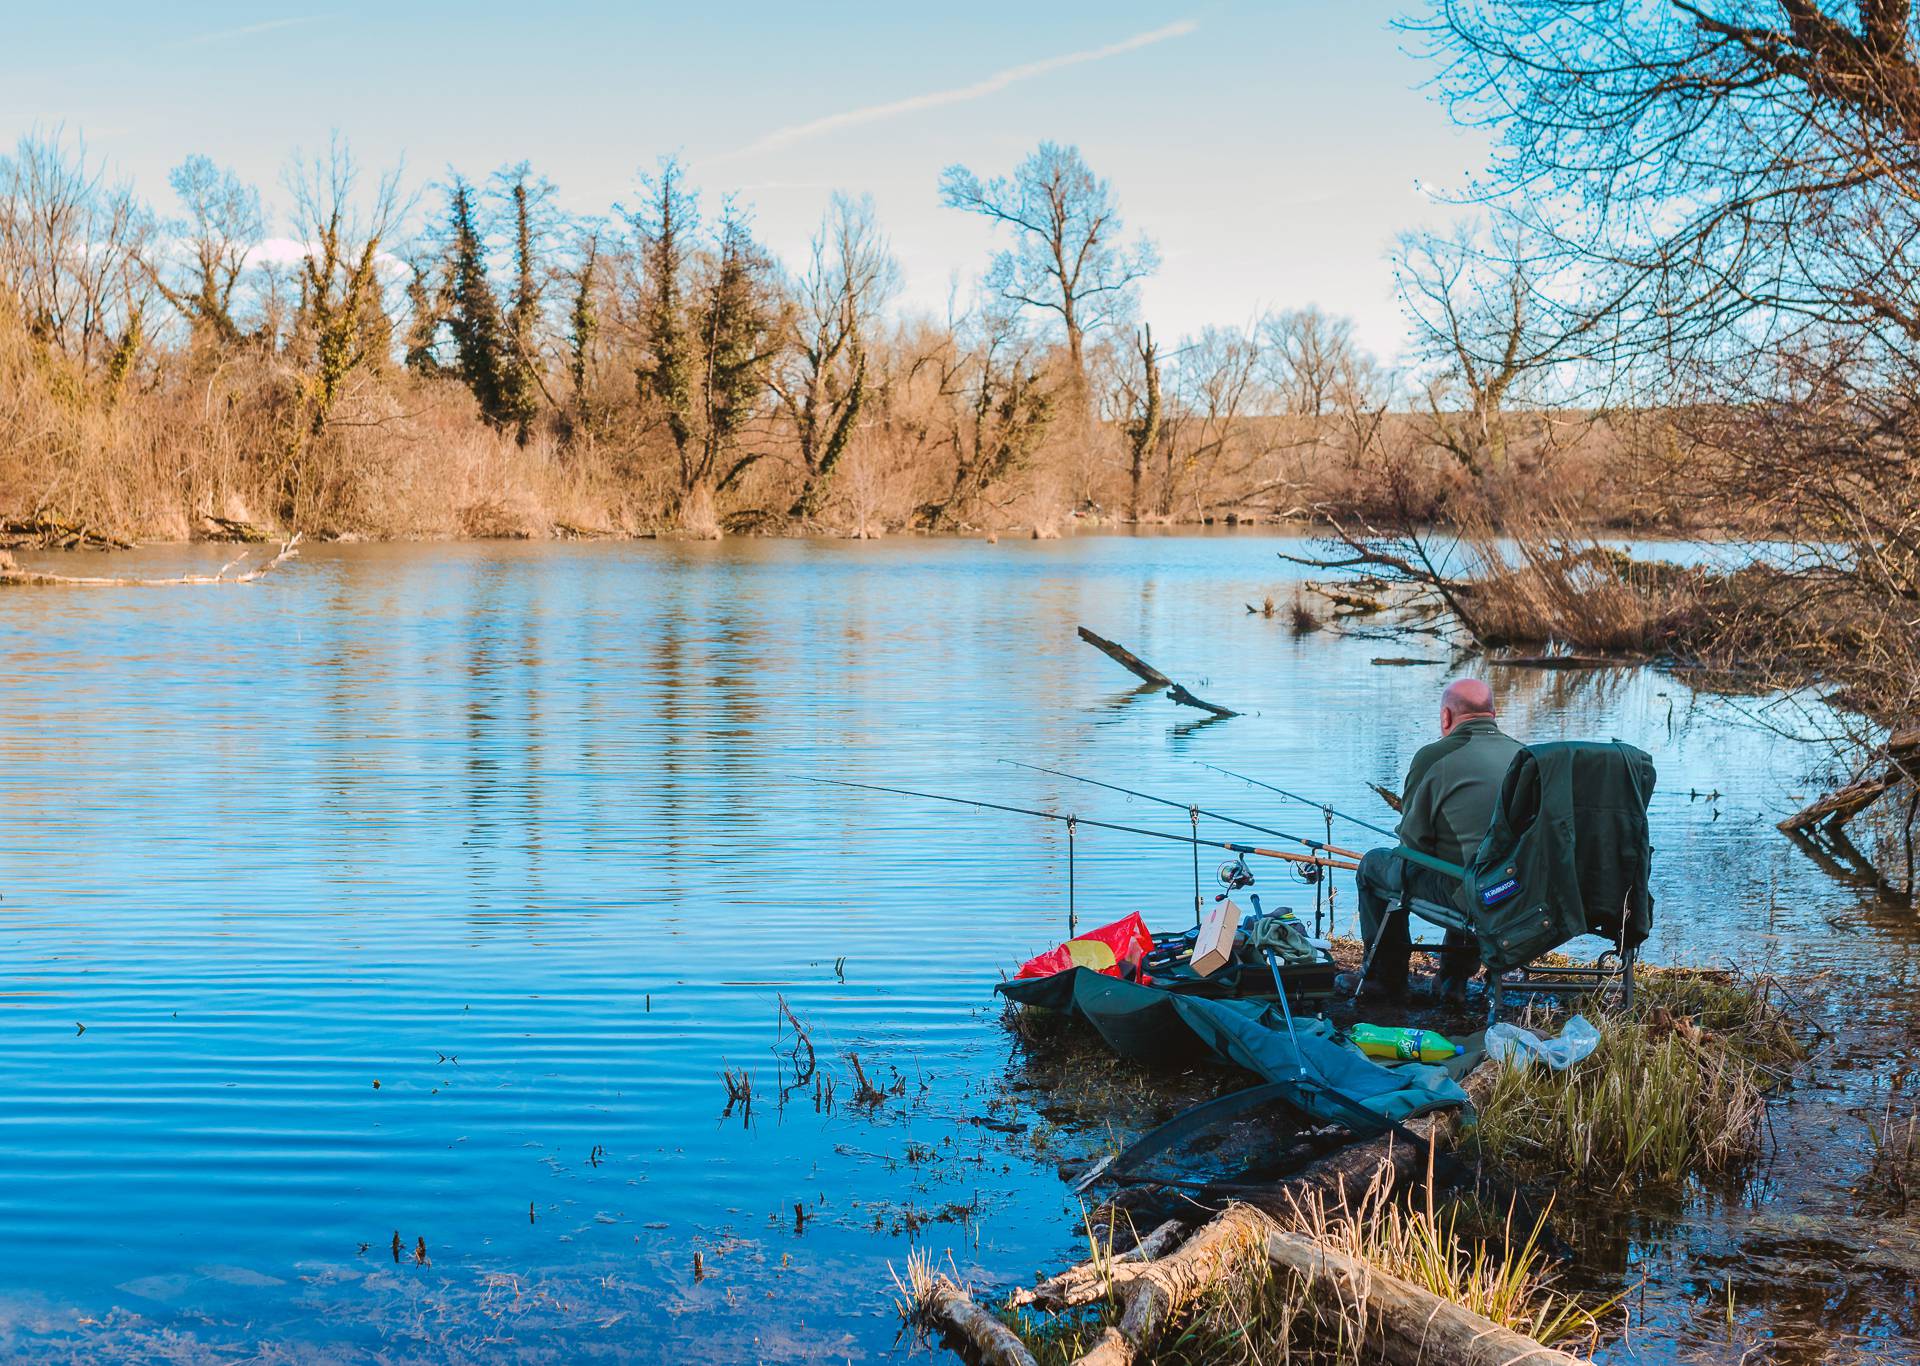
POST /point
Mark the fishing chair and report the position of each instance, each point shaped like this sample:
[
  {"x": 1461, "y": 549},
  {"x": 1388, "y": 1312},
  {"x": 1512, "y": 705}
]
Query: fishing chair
[{"x": 1567, "y": 855}]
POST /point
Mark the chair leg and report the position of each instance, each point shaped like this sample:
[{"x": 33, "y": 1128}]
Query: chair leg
[{"x": 1626, "y": 968}]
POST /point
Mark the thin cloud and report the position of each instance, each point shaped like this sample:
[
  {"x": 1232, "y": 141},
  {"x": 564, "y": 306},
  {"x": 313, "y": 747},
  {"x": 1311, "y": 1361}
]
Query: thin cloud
[
  {"x": 992, "y": 85},
  {"x": 245, "y": 31}
]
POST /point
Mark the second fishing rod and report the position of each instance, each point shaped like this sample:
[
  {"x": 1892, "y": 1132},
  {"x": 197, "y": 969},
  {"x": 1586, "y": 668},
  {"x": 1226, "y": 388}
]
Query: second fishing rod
[
  {"x": 1318, "y": 846},
  {"x": 1073, "y": 822}
]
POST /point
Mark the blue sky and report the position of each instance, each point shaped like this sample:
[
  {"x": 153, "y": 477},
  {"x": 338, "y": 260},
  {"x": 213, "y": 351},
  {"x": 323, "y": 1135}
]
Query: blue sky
[{"x": 1272, "y": 150}]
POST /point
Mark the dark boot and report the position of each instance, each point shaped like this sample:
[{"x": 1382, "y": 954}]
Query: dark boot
[{"x": 1351, "y": 984}]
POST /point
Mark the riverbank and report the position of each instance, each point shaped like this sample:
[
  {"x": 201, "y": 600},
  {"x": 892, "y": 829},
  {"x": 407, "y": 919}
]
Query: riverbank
[{"x": 1705, "y": 1092}]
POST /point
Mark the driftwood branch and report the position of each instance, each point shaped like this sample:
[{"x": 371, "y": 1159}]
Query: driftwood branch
[
  {"x": 1127, "y": 660},
  {"x": 1411, "y": 1326},
  {"x": 1560, "y": 661},
  {"x": 938, "y": 1303},
  {"x": 1901, "y": 753},
  {"x": 1163, "y": 1288},
  {"x": 12, "y": 573},
  {"x": 1091, "y": 1280},
  {"x": 1144, "y": 671}
]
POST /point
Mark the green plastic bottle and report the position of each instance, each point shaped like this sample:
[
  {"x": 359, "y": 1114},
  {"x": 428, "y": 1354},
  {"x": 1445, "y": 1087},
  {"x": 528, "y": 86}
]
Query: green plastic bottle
[{"x": 1403, "y": 1044}]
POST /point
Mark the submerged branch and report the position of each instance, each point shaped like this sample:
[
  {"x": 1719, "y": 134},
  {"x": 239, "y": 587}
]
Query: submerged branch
[{"x": 12, "y": 573}]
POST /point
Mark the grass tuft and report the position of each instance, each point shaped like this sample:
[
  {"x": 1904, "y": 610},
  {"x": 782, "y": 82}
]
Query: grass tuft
[
  {"x": 1676, "y": 1088},
  {"x": 1892, "y": 1181}
]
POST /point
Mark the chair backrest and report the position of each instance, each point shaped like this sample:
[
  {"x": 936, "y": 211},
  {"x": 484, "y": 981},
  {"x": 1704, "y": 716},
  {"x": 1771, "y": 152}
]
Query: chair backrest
[{"x": 1568, "y": 852}]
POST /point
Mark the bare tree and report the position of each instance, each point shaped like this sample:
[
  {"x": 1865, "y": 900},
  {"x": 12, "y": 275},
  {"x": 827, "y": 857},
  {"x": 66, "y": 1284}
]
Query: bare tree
[
  {"x": 1209, "y": 444},
  {"x": 1141, "y": 412},
  {"x": 821, "y": 380},
  {"x": 1726, "y": 196},
  {"x": 1470, "y": 297},
  {"x": 1068, "y": 257},
  {"x": 222, "y": 227},
  {"x": 1306, "y": 355},
  {"x": 342, "y": 325},
  {"x": 1000, "y": 410},
  {"x": 70, "y": 245}
]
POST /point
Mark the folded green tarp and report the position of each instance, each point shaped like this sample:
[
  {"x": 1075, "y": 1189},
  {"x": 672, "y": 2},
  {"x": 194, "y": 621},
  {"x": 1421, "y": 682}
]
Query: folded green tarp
[{"x": 1158, "y": 1027}]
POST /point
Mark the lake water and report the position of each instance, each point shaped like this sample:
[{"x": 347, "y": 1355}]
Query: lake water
[{"x": 426, "y": 891}]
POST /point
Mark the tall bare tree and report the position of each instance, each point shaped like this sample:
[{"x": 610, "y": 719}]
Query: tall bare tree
[
  {"x": 822, "y": 380},
  {"x": 1305, "y": 357},
  {"x": 342, "y": 325},
  {"x": 1489, "y": 339},
  {"x": 1069, "y": 257},
  {"x": 70, "y": 248},
  {"x": 200, "y": 269}
]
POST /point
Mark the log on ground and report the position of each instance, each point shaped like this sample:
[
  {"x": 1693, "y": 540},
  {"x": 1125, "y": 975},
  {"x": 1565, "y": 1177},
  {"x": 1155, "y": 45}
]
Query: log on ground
[
  {"x": 1162, "y": 1289},
  {"x": 1411, "y": 1326},
  {"x": 941, "y": 1304}
]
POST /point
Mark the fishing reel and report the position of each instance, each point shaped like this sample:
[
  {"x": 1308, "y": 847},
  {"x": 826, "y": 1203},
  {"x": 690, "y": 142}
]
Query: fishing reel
[
  {"x": 1234, "y": 874},
  {"x": 1309, "y": 873}
]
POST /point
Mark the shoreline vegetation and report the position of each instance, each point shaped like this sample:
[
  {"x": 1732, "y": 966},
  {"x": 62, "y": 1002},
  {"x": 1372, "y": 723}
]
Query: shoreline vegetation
[{"x": 463, "y": 359}]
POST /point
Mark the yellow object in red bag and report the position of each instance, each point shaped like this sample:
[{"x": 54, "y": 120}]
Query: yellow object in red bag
[{"x": 1111, "y": 949}]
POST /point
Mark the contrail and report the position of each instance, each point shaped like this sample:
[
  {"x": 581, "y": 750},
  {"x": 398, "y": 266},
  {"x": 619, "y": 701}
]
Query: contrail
[{"x": 1000, "y": 80}]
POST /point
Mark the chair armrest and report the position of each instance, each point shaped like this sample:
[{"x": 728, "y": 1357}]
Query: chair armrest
[{"x": 1438, "y": 865}]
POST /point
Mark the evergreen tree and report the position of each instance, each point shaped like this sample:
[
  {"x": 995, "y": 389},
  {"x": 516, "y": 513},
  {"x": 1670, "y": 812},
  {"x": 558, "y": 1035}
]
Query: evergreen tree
[
  {"x": 583, "y": 326},
  {"x": 665, "y": 376},
  {"x": 734, "y": 326},
  {"x": 473, "y": 315},
  {"x": 520, "y": 380}
]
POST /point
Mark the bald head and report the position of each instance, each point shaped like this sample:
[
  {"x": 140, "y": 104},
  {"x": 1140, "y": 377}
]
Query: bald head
[{"x": 1464, "y": 699}]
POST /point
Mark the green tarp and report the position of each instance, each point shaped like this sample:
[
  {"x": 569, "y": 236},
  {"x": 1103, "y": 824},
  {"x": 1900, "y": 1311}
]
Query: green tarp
[{"x": 1160, "y": 1028}]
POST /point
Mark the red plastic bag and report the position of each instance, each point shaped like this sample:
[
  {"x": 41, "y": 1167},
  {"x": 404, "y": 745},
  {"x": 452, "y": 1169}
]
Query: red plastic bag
[{"x": 1111, "y": 949}]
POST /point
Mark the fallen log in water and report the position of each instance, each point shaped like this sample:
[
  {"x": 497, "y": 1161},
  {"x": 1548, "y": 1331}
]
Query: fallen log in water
[
  {"x": 1407, "y": 1325},
  {"x": 1560, "y": 661},
  {"x": 48, "y": 533},
  {"x": 1901, "y": 754},
  {"x": 12, "y": 573},
  {"x": 1153, "y": 678}
]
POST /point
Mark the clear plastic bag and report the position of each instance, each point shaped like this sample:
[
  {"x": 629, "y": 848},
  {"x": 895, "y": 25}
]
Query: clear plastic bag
[{"x": 1511, "y": 1044}]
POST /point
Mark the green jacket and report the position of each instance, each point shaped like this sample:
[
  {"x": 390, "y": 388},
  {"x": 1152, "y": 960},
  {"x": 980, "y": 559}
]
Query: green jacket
[
  {"x": 1567, "y": 854},
  {"x": 1452, "y": 788}
]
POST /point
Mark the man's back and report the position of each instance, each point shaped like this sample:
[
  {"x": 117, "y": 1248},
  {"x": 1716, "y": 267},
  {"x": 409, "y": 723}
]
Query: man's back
[{"x": 1452, "y": 788}]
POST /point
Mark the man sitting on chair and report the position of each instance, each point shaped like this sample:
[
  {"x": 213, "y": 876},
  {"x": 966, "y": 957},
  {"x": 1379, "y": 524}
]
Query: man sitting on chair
[{"x": 1450, "y": 795}]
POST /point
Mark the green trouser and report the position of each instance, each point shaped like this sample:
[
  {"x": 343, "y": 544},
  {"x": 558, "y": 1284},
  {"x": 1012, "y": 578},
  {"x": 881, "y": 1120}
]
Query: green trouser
[{"x": 1384, "y": 883}]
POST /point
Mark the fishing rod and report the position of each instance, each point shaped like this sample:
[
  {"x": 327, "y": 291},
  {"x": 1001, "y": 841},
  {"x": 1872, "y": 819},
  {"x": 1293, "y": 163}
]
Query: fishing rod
[
  {"x": 1367, "y": 825},
  {"x": 1184, "y": 806},
  {"x": 1438, "y": 865},
  {"x": 1194, "y": 840}
]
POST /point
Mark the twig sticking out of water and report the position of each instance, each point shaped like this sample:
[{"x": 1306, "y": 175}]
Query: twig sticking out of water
[
  {"x": 739, "y": 1089},
  {"x": 864, "y": 1091},
  {"x": 802, "y": 1073}
]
